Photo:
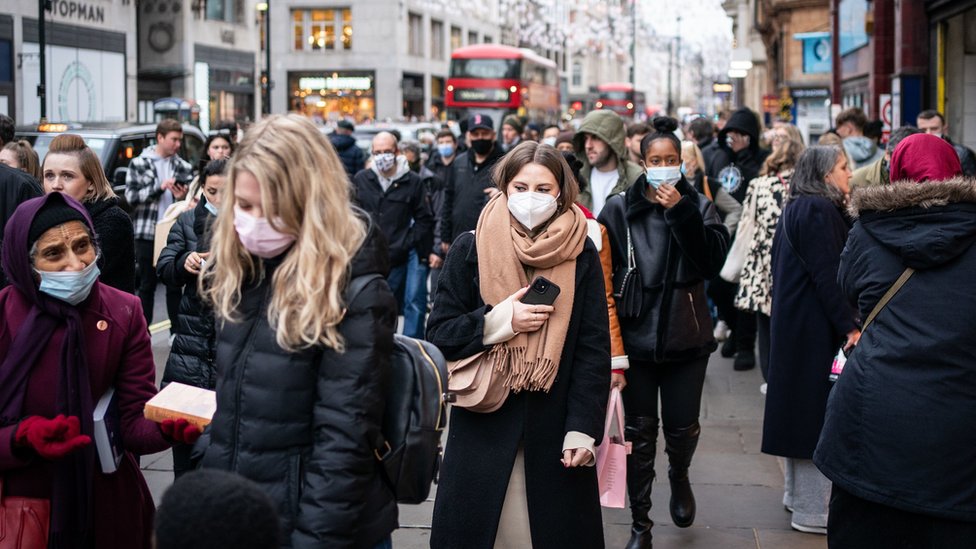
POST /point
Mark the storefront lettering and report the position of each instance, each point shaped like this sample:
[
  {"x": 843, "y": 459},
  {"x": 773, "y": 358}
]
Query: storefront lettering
[{"x": 78, "y": 10}]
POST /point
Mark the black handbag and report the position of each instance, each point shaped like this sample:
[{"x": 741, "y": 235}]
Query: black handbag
[{"x": 628, "y": 288}]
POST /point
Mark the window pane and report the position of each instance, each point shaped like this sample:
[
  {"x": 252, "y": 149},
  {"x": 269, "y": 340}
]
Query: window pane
[
  {"x": 455, "y": 38},
  {"x": 298, "y": 16},
  {"x": 485, "y": 68},
  {"x": 330, "y": 36},
  {"x": 347, "y": 37}
]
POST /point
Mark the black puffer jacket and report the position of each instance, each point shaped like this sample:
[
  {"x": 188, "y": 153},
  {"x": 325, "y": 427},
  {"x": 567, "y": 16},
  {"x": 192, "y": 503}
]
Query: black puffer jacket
[
  {"x": 191, "y": 357},
  {"x": 116, "y": 242},
  {"x": 900, "y": 428},
  {"x": 676, "y": 251},
  {"x": 300, "y": 424},
  {"x": 15, "y": 187}
]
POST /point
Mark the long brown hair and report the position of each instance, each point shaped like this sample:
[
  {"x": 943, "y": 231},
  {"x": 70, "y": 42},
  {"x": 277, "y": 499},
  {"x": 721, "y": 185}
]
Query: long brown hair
[
  {"x": 88, "y": 163},
  {"x": 530, "y": 152}
]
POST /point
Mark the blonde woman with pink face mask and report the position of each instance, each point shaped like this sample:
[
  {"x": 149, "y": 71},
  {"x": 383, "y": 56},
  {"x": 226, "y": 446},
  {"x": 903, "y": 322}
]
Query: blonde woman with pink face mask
[{"x": 301, "y": 372}]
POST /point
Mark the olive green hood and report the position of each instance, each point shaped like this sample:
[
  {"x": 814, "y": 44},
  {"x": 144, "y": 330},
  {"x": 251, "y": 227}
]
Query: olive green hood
[{"x": 608, "y": 126}]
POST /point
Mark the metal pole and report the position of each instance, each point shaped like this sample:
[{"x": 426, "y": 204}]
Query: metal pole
[
  {"x": 633, "y": 45},
  {"x": 670, "y": 105},
  {"x": 267, "y": 59},
  {"x": 678, "y": 63},
  {"x": 42, "y": 86}
]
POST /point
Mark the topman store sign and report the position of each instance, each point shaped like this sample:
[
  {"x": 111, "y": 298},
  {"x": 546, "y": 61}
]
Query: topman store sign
[{"x": 78, "y": 11}]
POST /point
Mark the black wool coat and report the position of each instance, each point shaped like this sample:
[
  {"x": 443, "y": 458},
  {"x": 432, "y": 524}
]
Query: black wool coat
[
  {"x": 464, "y": 193},
  {"x": 16, "y": 187},
  {"x": 901, "y": 421},
  {"x": 191, "y": 357},
  {"x": 810, "y": 320},
  {"x": 675, "y": 250},
  {"x": 299, "y": 424},
  {"x": 564, "y": 504},
  {"x": 116, "y": 243}
]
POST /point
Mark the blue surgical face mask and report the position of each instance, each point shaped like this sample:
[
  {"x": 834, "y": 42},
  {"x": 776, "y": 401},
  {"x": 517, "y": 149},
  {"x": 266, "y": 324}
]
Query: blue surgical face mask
[
  {"x": 684, "y": 171},
  {"x": 446, "y": 150},
  {"x": 72, "y": 287},
  {"x": 211, "y": 208},
  {"x": 664, "y": 174}
]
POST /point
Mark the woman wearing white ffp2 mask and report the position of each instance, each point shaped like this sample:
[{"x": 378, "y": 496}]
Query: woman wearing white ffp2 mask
[{"x": 553, "y": 363}]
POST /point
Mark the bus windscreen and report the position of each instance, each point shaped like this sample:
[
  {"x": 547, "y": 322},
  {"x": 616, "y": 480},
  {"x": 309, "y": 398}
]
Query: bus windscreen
[{"x": 485, "y": 68}]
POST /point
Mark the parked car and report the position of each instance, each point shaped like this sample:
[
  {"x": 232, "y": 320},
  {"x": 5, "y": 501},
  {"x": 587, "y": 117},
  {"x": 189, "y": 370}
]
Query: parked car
[{"x": 116, "y": 143}]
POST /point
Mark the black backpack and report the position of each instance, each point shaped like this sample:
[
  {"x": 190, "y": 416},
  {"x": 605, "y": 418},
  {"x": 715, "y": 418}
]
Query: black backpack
[{"x": 409, "y": 446}]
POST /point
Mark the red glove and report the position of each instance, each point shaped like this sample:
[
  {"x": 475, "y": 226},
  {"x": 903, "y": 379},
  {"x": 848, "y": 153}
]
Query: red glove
[
  {"x": 51, "y": 438},
  {"x": 180, "y": 431}
]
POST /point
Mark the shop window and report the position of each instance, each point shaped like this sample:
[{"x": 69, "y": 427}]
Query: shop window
[
  {"x": 415, "y": 35},
  {"x": 455, "y": 38},
  {"x": 322, "y": 29},
  {"x": 436, "y": 39},
  {"x": 225, "y": 10}
]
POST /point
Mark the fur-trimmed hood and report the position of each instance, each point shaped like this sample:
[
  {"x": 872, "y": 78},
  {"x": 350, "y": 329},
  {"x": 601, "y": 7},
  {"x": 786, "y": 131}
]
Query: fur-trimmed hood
[
  {"x": 926, "y": 224},
  {"x": 908, "y": 194}
]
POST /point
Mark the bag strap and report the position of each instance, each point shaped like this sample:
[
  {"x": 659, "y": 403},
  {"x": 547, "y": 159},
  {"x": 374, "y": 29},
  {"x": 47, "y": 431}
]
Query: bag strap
[
  {"x": 358, "y": 284},
  {"x": 631, "y": 261},
  {"x": 706, "y": 188},
  {"x": 905, "y": 275}
]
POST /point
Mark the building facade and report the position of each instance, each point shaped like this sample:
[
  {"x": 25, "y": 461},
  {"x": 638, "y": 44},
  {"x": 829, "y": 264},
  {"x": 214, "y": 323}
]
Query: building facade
[
  {"x": 90, "y": 61},
  {"x": 204, "y": 52},
  {"x": 748, "y": 72},
  {"x": 370, "y": 59},
  {"x": 796, "y": 35}
]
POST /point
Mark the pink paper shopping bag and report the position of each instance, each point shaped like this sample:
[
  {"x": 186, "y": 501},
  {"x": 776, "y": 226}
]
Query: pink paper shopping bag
[{"x": 611, "y": 456}]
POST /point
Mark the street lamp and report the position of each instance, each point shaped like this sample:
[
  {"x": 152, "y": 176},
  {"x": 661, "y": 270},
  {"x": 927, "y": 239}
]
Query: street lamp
[{"x": 265, "y": 10}]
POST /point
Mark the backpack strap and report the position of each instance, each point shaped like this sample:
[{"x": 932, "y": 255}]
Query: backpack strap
[{"x": 358, "y": 284}]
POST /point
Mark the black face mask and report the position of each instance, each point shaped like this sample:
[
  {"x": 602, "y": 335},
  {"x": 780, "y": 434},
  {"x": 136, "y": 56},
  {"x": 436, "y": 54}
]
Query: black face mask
[{"x": 482, "y": 146}]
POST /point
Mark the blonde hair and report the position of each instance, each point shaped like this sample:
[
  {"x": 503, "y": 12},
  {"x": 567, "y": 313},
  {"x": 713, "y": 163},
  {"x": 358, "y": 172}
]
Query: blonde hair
[
  {"x": 26, "y": 157},
  {"x": 305, "y": 193},
  {"x": 88, "y": 163},
  {"x": 784, "y": 158},
  {"x": 690, "y": 148}
]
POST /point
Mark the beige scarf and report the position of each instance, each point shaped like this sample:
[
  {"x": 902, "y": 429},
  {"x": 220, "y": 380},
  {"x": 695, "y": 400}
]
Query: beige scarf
[{"x": 529, "y": 361}]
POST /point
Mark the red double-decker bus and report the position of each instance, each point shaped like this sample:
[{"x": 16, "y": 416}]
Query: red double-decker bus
[
  {"x": 618, "y": 97},
  {"x": 500, "y": 80}
]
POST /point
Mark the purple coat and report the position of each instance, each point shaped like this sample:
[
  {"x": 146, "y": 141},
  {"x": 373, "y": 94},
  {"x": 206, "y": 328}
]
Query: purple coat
[{"x": 118, "y": 353}]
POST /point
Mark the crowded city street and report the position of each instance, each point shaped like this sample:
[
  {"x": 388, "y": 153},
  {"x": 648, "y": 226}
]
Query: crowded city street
[{"x": 487, "y": 274}]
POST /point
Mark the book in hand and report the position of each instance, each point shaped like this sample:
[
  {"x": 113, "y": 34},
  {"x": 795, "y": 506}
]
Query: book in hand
[
  {"x": 176, "y": 401},
  {"x": 108, "y": 432}
]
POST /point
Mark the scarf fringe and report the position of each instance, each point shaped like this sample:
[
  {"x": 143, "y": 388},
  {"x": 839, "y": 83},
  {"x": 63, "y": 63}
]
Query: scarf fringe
[{"x": 519, "y": 374}]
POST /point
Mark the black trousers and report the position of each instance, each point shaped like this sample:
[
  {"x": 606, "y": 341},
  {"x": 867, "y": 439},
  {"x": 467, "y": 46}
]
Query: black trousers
[
  {"x": 763, "y": 331},
  {"x": 145, "y": 277},
  {"x": 855, "y": 523},
  {"x": 742, "y": 323},
  {"x": 680, "y": 387}
]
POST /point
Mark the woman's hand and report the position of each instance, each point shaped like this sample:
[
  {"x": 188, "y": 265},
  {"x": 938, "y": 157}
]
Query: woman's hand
[
  {"x": 667, "y": 196},
  {"x": 576, "y": 457},
  {"x": 51, "y": 438},
  {"x": 618, "y": 381},
  {"x": 528, "y": 318},
  {"x": 194, "y": 262},
  {"x": 852, "y": 338}
]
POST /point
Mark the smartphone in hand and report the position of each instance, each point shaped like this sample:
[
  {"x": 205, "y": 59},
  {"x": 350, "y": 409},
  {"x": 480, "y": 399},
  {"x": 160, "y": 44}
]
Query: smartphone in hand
[{"x": 541, "y": 292}]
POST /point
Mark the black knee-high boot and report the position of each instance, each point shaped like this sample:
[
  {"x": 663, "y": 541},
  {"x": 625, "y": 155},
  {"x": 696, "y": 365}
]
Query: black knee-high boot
[
  {"x": 642, "y": 433},
  {"x": 680, "y": 446}
]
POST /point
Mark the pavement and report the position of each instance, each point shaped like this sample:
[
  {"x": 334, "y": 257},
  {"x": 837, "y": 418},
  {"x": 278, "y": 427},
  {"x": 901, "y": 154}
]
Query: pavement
[{"x": 738, "y": 489}]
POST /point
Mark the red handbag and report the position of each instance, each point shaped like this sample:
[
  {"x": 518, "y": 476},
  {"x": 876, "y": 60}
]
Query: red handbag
[{"x": 24, "y": 522}]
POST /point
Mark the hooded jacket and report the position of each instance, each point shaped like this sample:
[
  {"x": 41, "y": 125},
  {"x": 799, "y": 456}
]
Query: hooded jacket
[
  {"x": 351, "y": 156},
  {"x": 402, "y": 211},
  {"x": 116, "y": 244},
  {"x": 901, "y": 420},
  {"x": 609, "y": 128},
  {"x": 743, "y": 166},
  {"x": 862, "y": 150}
]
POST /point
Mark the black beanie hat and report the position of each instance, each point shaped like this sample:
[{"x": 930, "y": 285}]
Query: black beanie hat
[{"x": 54, "y": 213}]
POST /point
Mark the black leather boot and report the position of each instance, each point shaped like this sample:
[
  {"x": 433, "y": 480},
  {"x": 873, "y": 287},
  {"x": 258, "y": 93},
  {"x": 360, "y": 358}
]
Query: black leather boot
[
  {"x": 680, "y": 446},
  {"x": 641, "y": 431}
]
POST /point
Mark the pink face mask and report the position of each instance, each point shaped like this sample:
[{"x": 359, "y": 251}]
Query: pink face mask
[{"x": 258, "y": 236}]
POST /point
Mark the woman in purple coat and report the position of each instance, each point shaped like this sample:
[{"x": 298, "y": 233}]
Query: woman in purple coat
[{"x": 65, "y": 339}]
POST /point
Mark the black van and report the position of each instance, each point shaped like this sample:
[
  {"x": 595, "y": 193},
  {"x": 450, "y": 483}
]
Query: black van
[{"x": 116, "y": 143}]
